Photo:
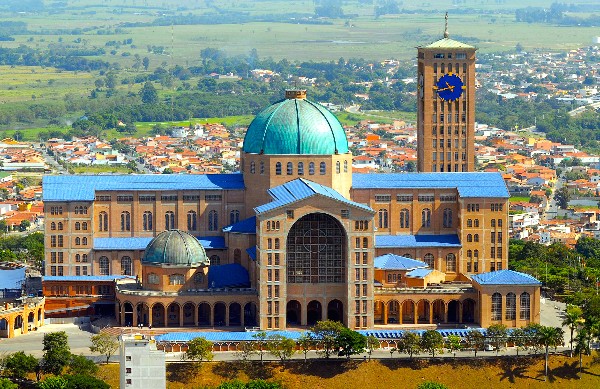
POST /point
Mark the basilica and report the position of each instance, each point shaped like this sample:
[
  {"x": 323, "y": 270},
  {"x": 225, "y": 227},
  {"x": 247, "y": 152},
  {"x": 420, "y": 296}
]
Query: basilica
[{"x": 296, "y": 237}]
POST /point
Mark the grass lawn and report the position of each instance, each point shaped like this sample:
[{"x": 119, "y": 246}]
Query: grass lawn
[
  {"x": 463, "y": 373},
  {"x": 98, "y": 169},
  {"x": 520, "y": 199}
]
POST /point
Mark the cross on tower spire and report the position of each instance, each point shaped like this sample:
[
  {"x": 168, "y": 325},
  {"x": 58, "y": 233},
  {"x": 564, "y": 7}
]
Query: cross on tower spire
[{"x": 446, "y": 26}]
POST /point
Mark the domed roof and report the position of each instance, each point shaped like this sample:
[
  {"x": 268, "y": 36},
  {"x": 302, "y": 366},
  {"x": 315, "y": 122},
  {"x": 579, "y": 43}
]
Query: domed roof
[
  {"x": 295, "y": 126},
  {"x": 175, "y": 247}
]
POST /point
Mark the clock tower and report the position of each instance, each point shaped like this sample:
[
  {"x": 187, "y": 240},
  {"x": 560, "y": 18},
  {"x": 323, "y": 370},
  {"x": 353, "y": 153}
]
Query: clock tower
[{"x": 446, "y": 106}]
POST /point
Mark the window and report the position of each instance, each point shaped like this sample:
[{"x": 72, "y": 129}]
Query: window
[
  {"x": 476, "y": 223},
  {"x": 168, "y": 197},
  {"x": 126, "y": 266},
  {"x": 53, "y": 226},
  {"x": 77, "y": 226},
  {"x": 60, "y": 226},
  {"x": 499, "y": 222},
  {"x": 103, "y": 221},
  {"x": 493, "y": 237},
  {"x": 511, "y": 306},
  {"x": 151, "y": 198},
  {"x": 192, "y": 221},
  {"x": 525, "y": 309},
  {"x": 337, "y": 167},
  {"x": 451, "y": 262},
  {"x": 345, "y": 166},
  {"x": 234, "y": 216},
  {"x": 383, "y": 218},
  {"x": 215, "y": 260},
  {"x": 499, "y": 237},
  {"x": 262, "y": 167},
  {"x": 126, "y": 198},
  {"x": 153, "y": 278},
  {"x": 426, "y": 218},
  {"x": 311, "y": 168},
  {"x": 104, "y": 266},
  {"x": 429, "y": 260},
  {"x": 77, "y": 241},
  {"x": 213, "y": 220},
  {"x": 404, "y": 218},
  {"x": 300, "y": 168},
  {"x": 469, "y": 222},
  {"x": 476, "y": 237},
  {"x": 426, "y": 198},
  {"x": 404, "y": 198},
  {"x": 84, "y": 226},
  {"x": 278, "y": 168},
  {"x": 84, "y": 241},
  {"x": 447, "y": 218},
  {"x": 290, "y": 168},
  {"x": 147, "y": 221},
  {"x": 277, "y": 244},
  {"x": 125, "y": 221},
  {"x": 322, "y": 168},
  {"x": 493, "y": 223},
  {"x": 169, "y": 220},
  {"x": 345, "y": 213},
  {"x": 496, "y": 306},
  {"x": 176, "y": 279},
  {"x": 252, "y": 167},
  {"x": 383, "y": 198},
  {"x": 84, "y": 258},
  {"x": 213, "y": 197},
  {"x": 60, "y": 240}
]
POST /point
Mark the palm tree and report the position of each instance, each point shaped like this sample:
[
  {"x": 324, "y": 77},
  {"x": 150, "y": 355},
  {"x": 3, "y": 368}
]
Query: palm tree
[
  {"x": 572, "y": 320},
  {"x": 549, "y": 337},
  {"x": 582, "y": 345}
]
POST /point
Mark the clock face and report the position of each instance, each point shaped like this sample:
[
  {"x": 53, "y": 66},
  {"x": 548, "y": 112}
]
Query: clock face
[{"x": 449, "y": 87}]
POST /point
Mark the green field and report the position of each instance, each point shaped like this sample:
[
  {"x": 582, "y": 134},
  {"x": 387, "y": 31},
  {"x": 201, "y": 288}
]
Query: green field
[{"x": 99, "y": 169}]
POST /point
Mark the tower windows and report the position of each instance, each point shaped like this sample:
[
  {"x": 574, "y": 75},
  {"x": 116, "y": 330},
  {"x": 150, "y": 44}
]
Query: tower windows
[
  {"x": 322, "y": 168},
  {"x": 300, "y": 168},
  {"x": 278, "y": 168},
  {"x": 426, "y": 218},
  {"x": 103, "y": 221},
  {"x": 125, "y": 221},
  {"x": 192, "y": 220},
  {"x": 383, "y": 218},
  {"x": 213, "y": 220},
  {"x": 147, "y": 221},
  {"x": 169, "y": 220},
  {"x": 311, "y": 168},
  {"x": 404, "y": 218},
  {"x": 290, "y": 168}
]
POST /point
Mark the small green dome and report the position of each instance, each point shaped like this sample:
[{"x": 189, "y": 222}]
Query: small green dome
[
  {"x": 175, "y": 247},
  {"x": 295, "y": 126}
]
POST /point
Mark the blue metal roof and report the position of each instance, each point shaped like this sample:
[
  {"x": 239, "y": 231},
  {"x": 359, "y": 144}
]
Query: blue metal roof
[
  {"x": 397, "y": 262},
  {"x": 468, "y": 184},
  {"x": 418, "y": 273},
  {"x": 231, "y": 275},
  {"x": 86, "y": 278},
  {"x": 83, "y": 187},
  {"x": 415, "y": 241},
  {"x": 208, "y": 242},
  {"x": 252, "y": 252},
  {"x": 246, "y": 226},
  {"x": 505, "y": 277},
  {"x": 300, "y": 189},
  {"x": 12, "y": 279}
]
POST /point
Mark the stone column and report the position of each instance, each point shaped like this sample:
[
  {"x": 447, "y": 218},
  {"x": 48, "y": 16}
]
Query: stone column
[
  {"x": 445, "y": 313},
  {"x": 180, "y": 316},
  {"x": 196, "y": 307},
  {"x": 226, "y": 315},
  {"x": 415, "y": 313},
  {"x": 165, "y": 317},
  {"x": 430, "y": 313},
  {"x": 149, "y": 316},
  {"x": 400, "y": 314},
  {"x": 134, "y": 316},
  {"x": 385, "y": 313}
]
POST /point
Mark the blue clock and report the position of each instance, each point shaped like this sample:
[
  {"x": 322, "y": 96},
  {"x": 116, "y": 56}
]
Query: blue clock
[{"x": 449, "y": 87}]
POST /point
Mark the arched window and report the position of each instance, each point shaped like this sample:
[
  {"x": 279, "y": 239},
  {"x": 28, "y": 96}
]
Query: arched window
[
  {"x": 77, "y": 226},
  {"x": 447, "y": 218},
  {"x": 269, "y": 244},
  {"x": 262, "y": 167},
  {"x": 469, "y": 223},
  {"x": 176, "y": 279},
  {"x": 192, "y": 221},
  {"x": 215, "y": 260},
  {"x": 125, "y": 221},
  {"x": 426, "y": 218},
  {"x": 237, "y": 256},
  {"x": 337, "y": 167},
  {"x": 322, "y": 168},
  {"x": 84, "y": 258},
  {"x": 147, "y": 221},
  {"x": 252, "y": 167},
  {"x": 169, "y": 220},
  {"x": 77, "y": 258},
  {"x": 404, "y": 218},
  {"x": 525, "y": 306},
  {"x": 493, "y": 223},
  {"x": 60, "y": 226},
  {"x": 77, "y": 241},
  {"x": 84, "y": 241},
  {"x": 496, "y": 306},
  {"x": 104, "y": 266},
  {"x": 290, "y": 168},
  {"x": 476, "y": 254},
  {"x": 511, "y": 306},
  {"x": 499, "y": 222},
  {"x": 311, "y": 168},
  {"x": 277, "y": 244},
  {"x": 153, "y": 278},
  {"x": 300, "y": 168},
  {"x": 476, "y": 237},
  {"x": 476, "y": 222},
  {"x": 429, "y": 259},
  {"x": 53, "y": 226},
  {"x": 126, "y": 268},
  {"x": 451, "y": 262},
  {"x": 469, "y": 254},
  {"x": 365, "y": 243},
  {"x": 469, "y": 238},
  {"x": 213, "y": 220},
  {"x": 84, "y": 226},
  {"x": 345, "y": 166},
  {"x": 383, "y": 218},
  {"x": 234, "y": 216},
  {"x": 278, "y": 168}
]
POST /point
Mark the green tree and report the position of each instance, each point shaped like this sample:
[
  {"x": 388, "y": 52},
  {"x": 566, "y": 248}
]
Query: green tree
[
  {"x": 146, "y": 63},
  {"x": 453, "y": 343},
  {"x": 432, "y": 341},
  {"x": 57, "y": 352},
  {"x": 5, "y": 383},
  {"x": 245, "y": 350},
  {"x": 260, "y": 343},
  {"x": 326, "y": 333},
  {"x": 475, "y": 340},
  {"x": 410, "y": 343},
  {"x": 548, "y": 337},
  {"x": 19, "y": 364},
  {"x": 431, "y": 385},
  {"x": 582, "y": 345},
  {"x": 199, "y": 349},
  {"x": 105, "y": 344},
  {"x": 372, "y": 344},
  {"x": 350, "y": 342},
  {"x": 306, "y": 342},
  {"x": 498, "y": 336},
  {"x": 281, "y": 347},
  {"x": 572, "y": 319},
  {"x": 562, "y": 197},
  {"x": 53, "y": 383},
  {"x": 85, "y": 382},
  {"x": 519, "y": 338},
  {"x": 82, "y": 366},
  {"x": 148, "y": 93}
]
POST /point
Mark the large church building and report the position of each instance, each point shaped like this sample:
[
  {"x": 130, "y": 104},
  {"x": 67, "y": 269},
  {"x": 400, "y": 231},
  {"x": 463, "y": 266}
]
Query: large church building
[{"x": 295, "y": 237}]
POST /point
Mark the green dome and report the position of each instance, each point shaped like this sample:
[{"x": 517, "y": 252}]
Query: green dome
[
  {"x": 175, "y": 247},
  {"x": 295, "y": 126}
]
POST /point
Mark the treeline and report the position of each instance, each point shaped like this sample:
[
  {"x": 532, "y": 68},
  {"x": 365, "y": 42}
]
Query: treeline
[
  {"x": 556, "y": 14},
  {"x": 58, "y": 57},
  {"x": 25, "y": 248}
]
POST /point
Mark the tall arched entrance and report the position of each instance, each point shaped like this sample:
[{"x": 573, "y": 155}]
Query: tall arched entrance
[
  {"x": 468, "y": 312},
  {"x": 293, "y": 313},
  {"x": 204, "y": 311},
  {"x": 453, "y": 313},
  {"x": 158, "y": 315},
  {"x": 335, "y": 311},
  {"x": 250, "y": 315},
  {"x": 314, "y": 312}
]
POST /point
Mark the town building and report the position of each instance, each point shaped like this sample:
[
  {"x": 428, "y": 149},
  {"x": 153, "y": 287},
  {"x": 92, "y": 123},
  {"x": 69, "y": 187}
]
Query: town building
[{"x": 141, "y": 365}]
